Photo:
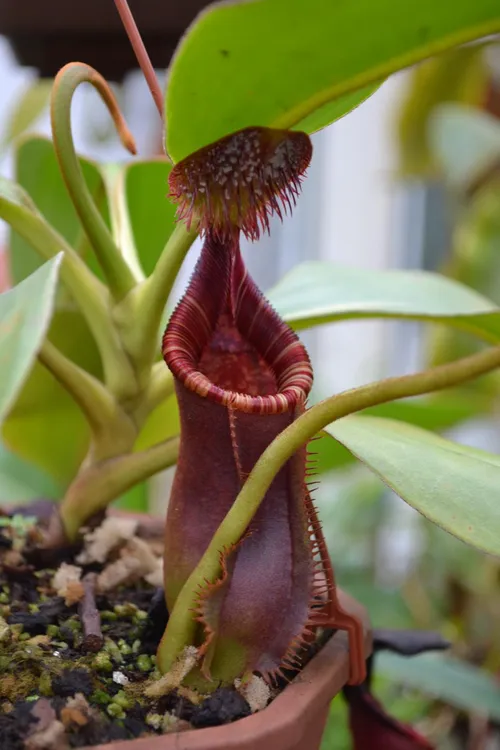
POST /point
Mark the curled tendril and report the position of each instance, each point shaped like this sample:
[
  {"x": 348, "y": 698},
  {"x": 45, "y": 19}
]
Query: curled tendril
[{"x": 116, "y": 270}]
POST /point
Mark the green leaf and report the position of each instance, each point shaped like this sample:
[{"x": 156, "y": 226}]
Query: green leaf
[
  {"x": 136, "y": 500},
  {"x": 453, "y": 681},
  {"x": 37, "y": 171},
  {"x": 162, "y": 424},
  {"x": 454, "y": 486},
  {"x": 25, "y": 313},
  {"x": 151, "y": 214},
  {"x": 20, "y": 481},
  {"x": 437, "y": 412},
  {"x": 319, "y": 292},
  {"x": 288, "y": 63},
  {"x": 43, "y": 403},
  {"x": 45, "y": 407},
  {"x": 466, "y": 142}
]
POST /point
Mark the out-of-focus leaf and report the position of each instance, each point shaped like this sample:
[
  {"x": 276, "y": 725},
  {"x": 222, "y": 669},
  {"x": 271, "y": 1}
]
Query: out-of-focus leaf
[
  {"x": 460, "y": 75},
  {"x": 466, "y": 142},
  {"x": 45, "y": 426},
  {"x": 337, "y": 734},
  {"x": 386, "y": 606},
  {"x": 21, "y": 481},
  {"x": 289, "y": 63},
  {"x": 151, "y": 214},
  {"x": 162, "y": 424},
  {"x": 136, "y": 500},
  {"x": 452, "y": 681},
  {"x": 28, "y": 108},
  {"x": 318, "y": 292},
  {"x": 25, "y": 314},
  {"x": 454, "y": 486}
]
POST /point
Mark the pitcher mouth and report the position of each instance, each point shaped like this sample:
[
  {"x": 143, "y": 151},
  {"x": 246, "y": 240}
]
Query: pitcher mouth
[{"x": 223, "y": 309}]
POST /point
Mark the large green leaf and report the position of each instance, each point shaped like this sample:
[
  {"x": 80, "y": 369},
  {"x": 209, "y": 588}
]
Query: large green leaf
[
  {"x": 150, "y": 214},
  {"x": 20, "y": 481},
  {"x": 319, "y": 292},
  {"x": 437, "y": 412},
  {"x": 461, "y": 685},
  {"x": 454, "y": 486},
  {"x": 25, "y": 314},
  {"x": 288, "y": 63}
]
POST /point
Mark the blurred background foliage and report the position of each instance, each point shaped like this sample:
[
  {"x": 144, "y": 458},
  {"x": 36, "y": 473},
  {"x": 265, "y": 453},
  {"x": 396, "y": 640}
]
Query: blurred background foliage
[{"x": 448, "y": 135}]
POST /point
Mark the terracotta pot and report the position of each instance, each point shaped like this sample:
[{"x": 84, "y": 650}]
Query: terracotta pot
[
  {"x": 46, "y": 35},
  {"x": 295, "y": 720}
]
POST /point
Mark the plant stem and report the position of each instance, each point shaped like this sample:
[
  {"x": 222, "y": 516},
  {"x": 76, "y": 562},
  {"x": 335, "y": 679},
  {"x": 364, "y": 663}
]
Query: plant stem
[
  {"x": 140, "y": 52},
  {"x": 182, "y": 624},
  {"x": 116, "y": 270},
  {"x": 104, "y": 415},
  {"x": 99, "y": 484},
  {"x": 139, "y": 316}
]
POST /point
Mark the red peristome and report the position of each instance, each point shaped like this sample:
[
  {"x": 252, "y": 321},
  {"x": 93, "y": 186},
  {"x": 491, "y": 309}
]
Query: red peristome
[
  {"x": 240, "y": 181},
  {"x": 226, "y": 343}
]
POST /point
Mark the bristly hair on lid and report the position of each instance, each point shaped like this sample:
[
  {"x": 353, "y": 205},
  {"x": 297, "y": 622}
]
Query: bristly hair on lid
[{"x": 237, "y": 183}]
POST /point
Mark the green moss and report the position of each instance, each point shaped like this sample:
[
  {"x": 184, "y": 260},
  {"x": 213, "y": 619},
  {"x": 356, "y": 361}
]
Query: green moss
[
  {"x": 45, "y": 684},
  {"x": 125, "y": 649},
  {"x": 121, "y": 699},
  {"x": 17, "y": 686},
  {"x": 144, "y": 663},
  {"x": 125, "y": 610},
  {"x": 112, "y": 649},
  {"x": 115, "y": 711},
  {"x": 108, "y": 615},
  {"x": 102, "y": 662},
  {"x": 100, "y": 697},
  {"x": 72, "y": 624}
]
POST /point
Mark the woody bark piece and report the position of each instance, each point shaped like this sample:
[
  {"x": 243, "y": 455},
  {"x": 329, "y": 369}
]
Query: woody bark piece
[{"x": 93, "y": 638}]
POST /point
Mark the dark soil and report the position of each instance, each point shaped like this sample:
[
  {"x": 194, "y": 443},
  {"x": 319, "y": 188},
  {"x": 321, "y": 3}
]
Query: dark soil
[{"x": 50, "y": 680}]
